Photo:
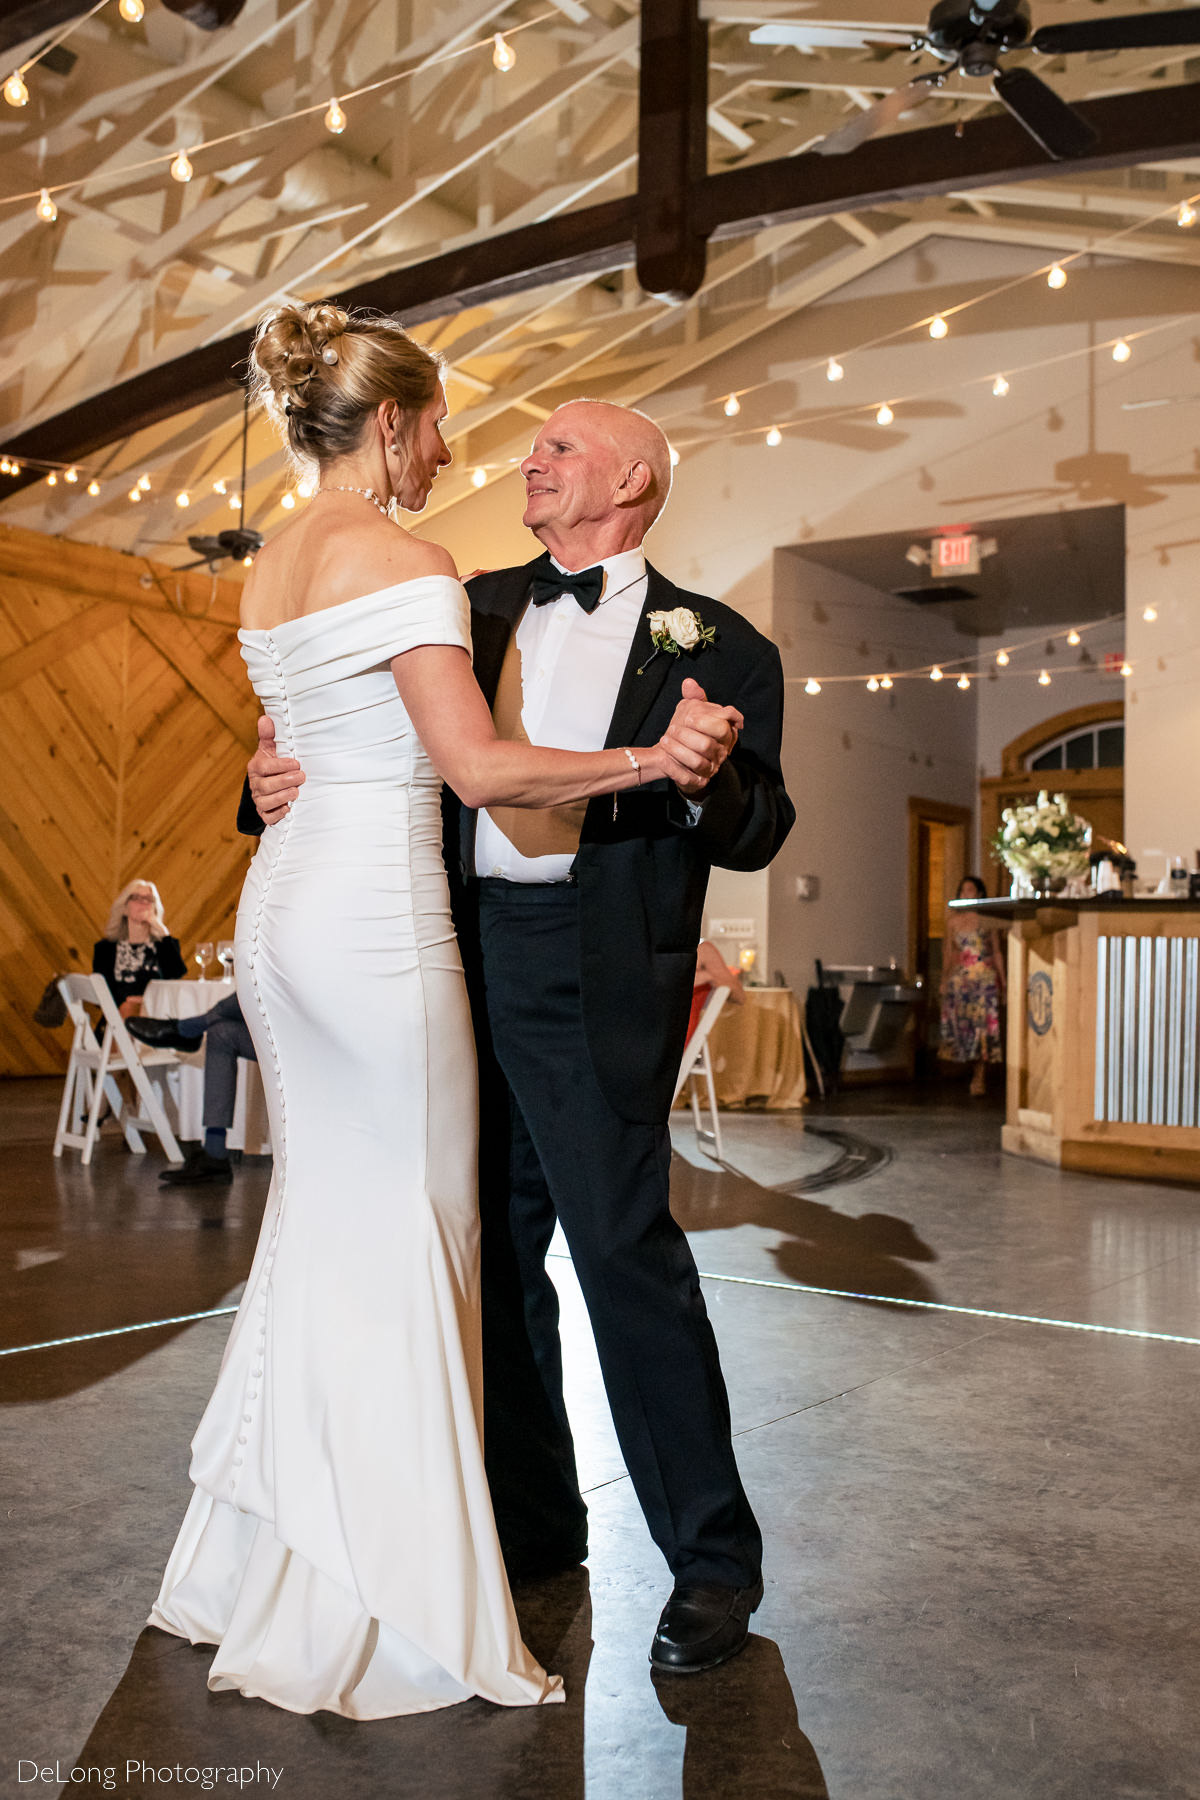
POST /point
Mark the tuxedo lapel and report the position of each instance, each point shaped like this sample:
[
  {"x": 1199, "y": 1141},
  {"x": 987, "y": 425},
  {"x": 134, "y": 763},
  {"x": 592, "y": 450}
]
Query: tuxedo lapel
[
  {"x": 638, "y": 692},
  {"x": 497, "y": 603}
]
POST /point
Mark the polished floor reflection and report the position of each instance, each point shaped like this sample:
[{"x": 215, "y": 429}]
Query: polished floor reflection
[{"x": 980, "y": 1582}]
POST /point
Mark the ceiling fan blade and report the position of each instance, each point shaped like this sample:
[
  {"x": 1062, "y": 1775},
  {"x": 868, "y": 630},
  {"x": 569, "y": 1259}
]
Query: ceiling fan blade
[
  {"x": 1132, "y": 31},
  {"x": 1057, "y": 127},
  {"x": 884, "y": 112}
]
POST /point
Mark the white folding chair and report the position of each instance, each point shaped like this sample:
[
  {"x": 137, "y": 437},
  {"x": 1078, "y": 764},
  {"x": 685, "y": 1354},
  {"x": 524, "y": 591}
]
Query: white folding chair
[
  {"x": 92, "y": 1070},
  {"x": 696, "y": 1067}
]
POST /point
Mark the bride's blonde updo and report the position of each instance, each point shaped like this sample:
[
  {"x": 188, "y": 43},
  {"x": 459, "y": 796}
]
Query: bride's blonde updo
[{"x": 321, "y": 373}]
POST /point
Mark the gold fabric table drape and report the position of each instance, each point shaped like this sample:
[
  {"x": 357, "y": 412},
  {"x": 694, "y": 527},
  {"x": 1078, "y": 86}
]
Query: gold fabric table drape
[{"x": 758, "y": 1052}]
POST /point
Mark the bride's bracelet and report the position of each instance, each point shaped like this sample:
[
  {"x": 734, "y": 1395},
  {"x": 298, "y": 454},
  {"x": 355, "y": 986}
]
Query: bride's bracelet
[{"x": 634, "y": 764}]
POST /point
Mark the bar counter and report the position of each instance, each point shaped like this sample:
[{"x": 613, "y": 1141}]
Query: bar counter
[{"x": 1103, "y": 1029}]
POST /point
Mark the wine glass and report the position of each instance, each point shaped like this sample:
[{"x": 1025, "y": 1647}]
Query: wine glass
[
  {"x": 225, "y": 958},
  {"x": 203, "y": 956}
]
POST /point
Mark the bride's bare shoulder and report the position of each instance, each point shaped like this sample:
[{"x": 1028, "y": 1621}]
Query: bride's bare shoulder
[{"x": 321, "y": 563}]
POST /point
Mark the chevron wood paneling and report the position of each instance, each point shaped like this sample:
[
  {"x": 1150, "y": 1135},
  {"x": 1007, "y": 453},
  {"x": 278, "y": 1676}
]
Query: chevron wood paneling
[{"x": 125, "y": 723}]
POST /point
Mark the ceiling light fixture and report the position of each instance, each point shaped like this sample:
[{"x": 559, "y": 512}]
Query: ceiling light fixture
[
  {"x": 503, "y": 55},
  {"x": 812, "y": 686},
  {"x": 938, "y": 327},
  {"x": 1000, "y": 387},
  {"x": 886, "y": 682},
  {"x": 1057, "y": 278},
  {"x": 774, "y": 436},
  {"x": 733, "y": 407},
  {"x": 1072, "y": 636},
  {"x": 144, "y": 483},
  {"x": 183, "y": 498},
  {"x": 478, "y": 478},
  {"x": 885, "y": 415},
  {"x": 335, "y": 119},
  {"x": 1184, "y": 218},
  {"x": 15, "y": 91},
  {"x": 1044, "y": 678},
  {"x": 834, "y": 370},
  {"x": 52, "y": 479},
  {"x": 1121, "y": 351},
  {"x": 935, "y": 674},
  {"x": 964, "y": 682},
  {"x": 132, "y": 11},
  {"x": 1149, "y": 613},
  {"x": 287, "y": 501},
  {"x": 1002, "y": 658},
  {"x": 72, "y": 475},
  {"x": 181, "y": 168},
  {"x": 873, "y": 685},
  {"x": 46, "y": 210},
  {"x": 93, "y": 488}
]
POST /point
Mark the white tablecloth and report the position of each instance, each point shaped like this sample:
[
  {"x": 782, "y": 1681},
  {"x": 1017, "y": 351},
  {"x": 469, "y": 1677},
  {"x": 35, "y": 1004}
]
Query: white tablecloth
[{"x": 185, "y": 1084}]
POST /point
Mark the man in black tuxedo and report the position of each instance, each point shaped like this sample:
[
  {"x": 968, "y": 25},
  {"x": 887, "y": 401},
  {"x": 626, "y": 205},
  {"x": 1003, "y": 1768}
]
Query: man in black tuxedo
[{"x": 578, "y": 928}]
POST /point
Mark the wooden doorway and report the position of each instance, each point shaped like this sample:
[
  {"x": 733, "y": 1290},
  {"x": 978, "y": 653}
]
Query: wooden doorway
[{"x": 938, "y": 836}]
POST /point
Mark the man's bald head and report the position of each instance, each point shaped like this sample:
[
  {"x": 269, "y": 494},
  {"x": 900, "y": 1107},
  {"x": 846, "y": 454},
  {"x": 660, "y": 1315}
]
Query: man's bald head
[
  {"x": 595, "y": 481},
  {"x": 633, "y": 437}
]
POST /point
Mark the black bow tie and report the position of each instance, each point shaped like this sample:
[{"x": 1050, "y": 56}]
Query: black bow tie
[{"x": 548, "y": 583}]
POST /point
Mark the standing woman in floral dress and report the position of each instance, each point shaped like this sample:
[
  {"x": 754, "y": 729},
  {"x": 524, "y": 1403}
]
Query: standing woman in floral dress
[{"x": 972, "y": 987}]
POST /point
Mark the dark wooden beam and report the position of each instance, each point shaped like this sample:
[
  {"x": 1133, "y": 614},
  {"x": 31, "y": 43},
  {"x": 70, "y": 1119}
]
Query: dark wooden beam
[
  {"x": 30, "y": 19},
  {"x": 1160, "y": 125},
  {"x": 672, "y": 147}
]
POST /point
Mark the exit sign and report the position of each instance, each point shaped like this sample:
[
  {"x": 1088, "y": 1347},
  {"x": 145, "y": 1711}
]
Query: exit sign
[
  {"x": 1114, "y": 662},
  {"x": 955, "y": 555}
]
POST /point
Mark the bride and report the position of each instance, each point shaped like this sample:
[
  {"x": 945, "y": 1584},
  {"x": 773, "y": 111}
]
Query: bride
[{"x": 339, "y": 1548}]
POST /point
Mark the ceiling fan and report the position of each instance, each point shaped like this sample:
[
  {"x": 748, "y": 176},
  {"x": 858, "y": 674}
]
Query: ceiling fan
[
  {"x": 971, "y": 36},
  {"x": 239, "y": 542}
]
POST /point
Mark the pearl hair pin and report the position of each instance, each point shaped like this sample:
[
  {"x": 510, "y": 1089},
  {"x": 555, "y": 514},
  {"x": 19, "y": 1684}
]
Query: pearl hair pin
[{"x": 329, "y": 355}]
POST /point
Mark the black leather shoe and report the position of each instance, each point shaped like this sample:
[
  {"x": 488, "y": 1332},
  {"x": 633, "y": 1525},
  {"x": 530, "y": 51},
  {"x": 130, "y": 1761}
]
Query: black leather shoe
[
  {"x": 200, "y": 1170},
  {"x": 162, "y": 1034},
  {"x": 703, "y": 1623}
]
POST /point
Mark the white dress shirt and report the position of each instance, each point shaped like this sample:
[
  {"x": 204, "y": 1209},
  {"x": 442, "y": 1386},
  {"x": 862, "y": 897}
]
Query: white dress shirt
[{"x": 571, "y": 668}]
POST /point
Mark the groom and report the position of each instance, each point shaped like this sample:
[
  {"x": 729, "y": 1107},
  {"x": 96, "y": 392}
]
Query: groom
[{"x": 578, "y": 928}]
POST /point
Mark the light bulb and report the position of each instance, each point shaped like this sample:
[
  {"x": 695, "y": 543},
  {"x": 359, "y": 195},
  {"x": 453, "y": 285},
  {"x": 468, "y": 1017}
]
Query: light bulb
[
  {"x": 733, "y": 407},
  {"x": 1072, "y": 636},
  {"x": 963, "y": 682},
  {"x": 1186, "y": 215},
  {"x": 144, "y": 483},
  {"x": 1149, "y": 613},
  {"x": 335, "y": 119},
  {"x": 503, "y": 54},
  {"x": 1000, "y": 387},
  {"x": 4, "y": 465},
  {"x": 287, "y": 501},
  {"x": 873, "y": 685},
  {"x": 72, "y": 475},
  {"x": 234, "y": 502},
  {"x": 886, "y": 682},
  {"x": 1044, "y": 678},
  {"x": 93, "y": 488},
  {"x": 306, "y": 488},
  {"x": 52, "y": 479},
  {"x": 812, "y": 686},
  {"x": 46, "y": 209},
  {"x": 1002, "y": 658},
  {"x": 181, "y": 168},
  {"x": 135, "y": 494},
  {"x": 1121, "y": 351},
  {"x": 885, "y": 415},
  {"x": 1126, "y": 670},
  {"x": 674, "y": 454},
  {"x": 219, "y": 485},
  {"x": 1057, "y": 278},
  {"x": 131, "y": 11},
  {"x": 774, "y": 436},
  {"x": 834, "y": 370},
  {"x": 17, "y": 94},
  {"x": 14, "y": 468},
  {"x": 478, "y": 478},
  {"x": 938, "y": 327},
  {"x": 247, "y": 562},
  {"x": 183, "y": 498},
  {"x": 935, "y": 674}
]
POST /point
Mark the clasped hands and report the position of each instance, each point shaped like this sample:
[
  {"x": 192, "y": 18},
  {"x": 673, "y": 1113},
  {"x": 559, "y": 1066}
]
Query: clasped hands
[{"x": 695, "y": 743}]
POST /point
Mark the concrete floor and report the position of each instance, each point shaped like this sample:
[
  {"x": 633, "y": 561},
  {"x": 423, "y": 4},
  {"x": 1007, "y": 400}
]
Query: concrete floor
[{"x": 981, "y": 1571}]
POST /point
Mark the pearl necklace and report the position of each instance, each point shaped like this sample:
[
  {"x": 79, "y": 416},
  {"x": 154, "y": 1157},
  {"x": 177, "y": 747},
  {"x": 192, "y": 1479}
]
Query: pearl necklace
[{"x": 388, "y": 512}]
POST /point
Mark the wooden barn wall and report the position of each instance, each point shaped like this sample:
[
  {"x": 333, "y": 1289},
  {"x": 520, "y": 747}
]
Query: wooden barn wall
[{"x": 125, "y": 722}]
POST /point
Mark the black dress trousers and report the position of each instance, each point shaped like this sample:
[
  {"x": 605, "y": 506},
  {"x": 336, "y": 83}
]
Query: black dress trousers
[{"x": 571, "y": 1156}]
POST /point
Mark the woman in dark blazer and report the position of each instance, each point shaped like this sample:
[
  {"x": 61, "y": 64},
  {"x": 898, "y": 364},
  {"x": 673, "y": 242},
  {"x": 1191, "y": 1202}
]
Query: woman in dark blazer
[{"x": 136, "y": 948}]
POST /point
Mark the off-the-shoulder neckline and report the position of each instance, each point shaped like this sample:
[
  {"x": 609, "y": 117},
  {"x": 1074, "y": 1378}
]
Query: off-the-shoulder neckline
[{"x": 252, "y": 631}]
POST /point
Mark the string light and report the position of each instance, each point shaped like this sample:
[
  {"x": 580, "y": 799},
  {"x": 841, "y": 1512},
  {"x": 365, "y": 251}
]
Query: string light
[
  {"x": 306, "y": 488},
  {"x": 14, "y": 468},
  {"x": 812, "y": 686},
  {"x": 1000, "y": 387},
  {"x": 1057, "y": 278},
  {"x": 938, "y": 327},
  {"x": 93, "y": 488},
  {"x": 235, "y": 501},
  {"x": 834, "y": 370},
  {"x": 1149, "y": 613},
  {"x": 4, "y": 468},
  {"x": 1121, "y": 351},
  {"x": 46, "y": 209},
  {"x": 885, "y": 415},
  {"x": 135, "y": 494},
  {"x": 1184, "y": 218},
  {"x": 52, "y": 479},
  {"x": 335, "y": 119},
  {"x": 219, "y": 485},
  {"x": 181, "y": 168},
  {"x": 132, "y": 11},
  {"x": 733, "y": 407},
  {"x": 1044, "y": 678},
  {"x": 935, "y": 674},
  {"x": 478, "y": 478},
  {"x": 16, "y": 93},
  {"x": 503, "y": 55},
  {"x": 774, "y": 436},
  {"x": 886, "y": 682},
  {"x": 1002, "y": 658},
  {"x": 287, "y": 501},
  {"x": 72, "y": 475},
  {"x": 873, "y": 684},
  {"x": 247, "y": 562},
  {"x": 183, "y": 498},
  {"x": 672, "y": 452},
  {"x": 1072, "y": 636},
  {"x": 964, "y": 681},
  {"x": 144, "y": 483},
  {"x": 1126, "y": 670}
]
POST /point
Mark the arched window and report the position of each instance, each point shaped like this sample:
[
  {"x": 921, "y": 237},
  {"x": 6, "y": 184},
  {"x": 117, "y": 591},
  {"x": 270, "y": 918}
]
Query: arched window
[{"x": 1099, "y": 746}]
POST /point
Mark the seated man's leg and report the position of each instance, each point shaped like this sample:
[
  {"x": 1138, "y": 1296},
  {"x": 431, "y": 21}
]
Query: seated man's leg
[{"x": 227, "y": 1040}]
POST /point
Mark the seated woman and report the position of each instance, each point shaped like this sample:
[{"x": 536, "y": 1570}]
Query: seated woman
[
  {"x": 972, "y": 987},
  {"x": 136, "y": 948},
  {"x": 712, "y": 971}
]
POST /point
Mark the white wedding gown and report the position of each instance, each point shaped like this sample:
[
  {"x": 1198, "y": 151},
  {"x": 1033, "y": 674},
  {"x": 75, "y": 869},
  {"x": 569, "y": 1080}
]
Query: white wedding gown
[{"x": 339, "y": 1548}]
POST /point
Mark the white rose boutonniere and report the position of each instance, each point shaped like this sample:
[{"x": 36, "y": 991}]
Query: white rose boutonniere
[{"x": 676, "y": 631}]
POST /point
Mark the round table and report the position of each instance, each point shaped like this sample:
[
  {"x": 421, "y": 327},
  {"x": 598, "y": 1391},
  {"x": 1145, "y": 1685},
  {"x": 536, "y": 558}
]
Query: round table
[
  {"x": 758, "y": 1052},
  {"x": 185, "y": 1082}
]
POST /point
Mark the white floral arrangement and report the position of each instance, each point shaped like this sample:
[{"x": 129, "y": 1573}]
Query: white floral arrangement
[
  {"x": 676, "y": 631},
  {"x": 1044, "y": 844}
]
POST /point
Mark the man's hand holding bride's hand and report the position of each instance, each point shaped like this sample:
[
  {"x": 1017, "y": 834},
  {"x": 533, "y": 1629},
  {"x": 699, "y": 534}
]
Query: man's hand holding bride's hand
[
  {"x": 274, "y": 780},
  {"x": 698, "y": 739}
]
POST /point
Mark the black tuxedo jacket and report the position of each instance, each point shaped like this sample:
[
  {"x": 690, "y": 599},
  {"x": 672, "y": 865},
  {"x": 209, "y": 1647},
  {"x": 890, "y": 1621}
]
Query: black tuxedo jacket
[{"x": 642, "y": 879}]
